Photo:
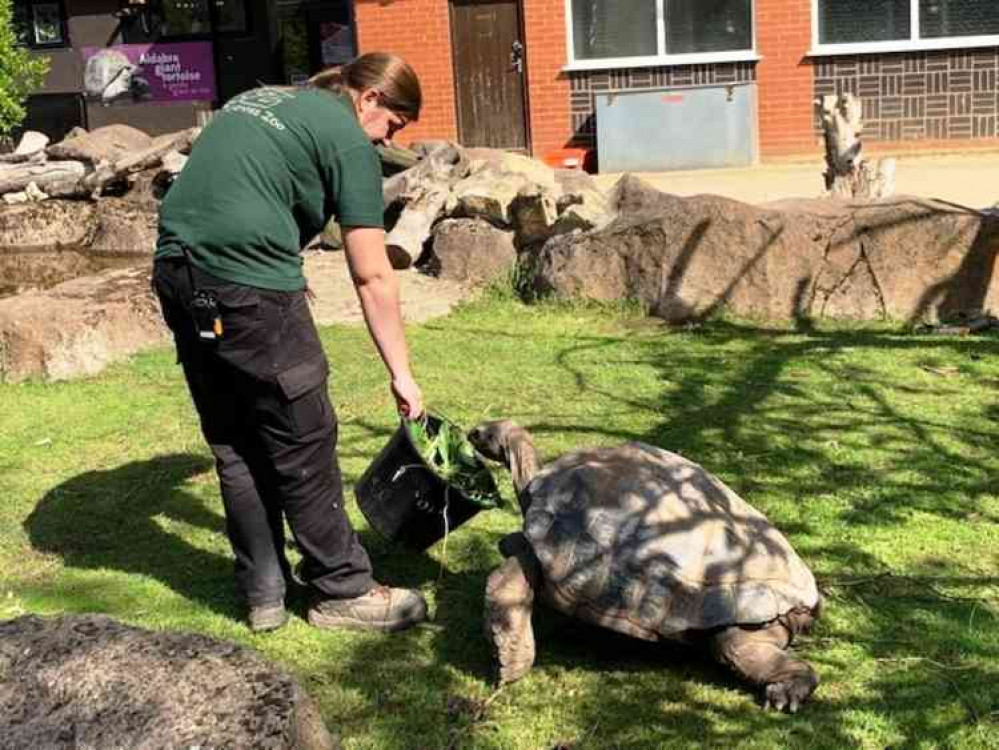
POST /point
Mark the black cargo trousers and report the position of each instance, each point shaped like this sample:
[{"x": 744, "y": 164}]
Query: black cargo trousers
[{"x": 261, "y": 393}]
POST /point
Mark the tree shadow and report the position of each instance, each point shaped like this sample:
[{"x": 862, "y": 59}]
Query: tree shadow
[
  {"x": 852, "y": 449},
  {"x": 117, "y": 519},
  {"x": 756, "y": 426},
  {"x": 739, "y": 407}
]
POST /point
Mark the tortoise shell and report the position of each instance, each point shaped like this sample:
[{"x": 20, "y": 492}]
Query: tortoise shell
[{"x": 647, "y": 543}]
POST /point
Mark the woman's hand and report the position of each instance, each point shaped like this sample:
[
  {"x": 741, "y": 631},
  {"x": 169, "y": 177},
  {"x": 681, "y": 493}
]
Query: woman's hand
[{"x": 408, "y": 397}]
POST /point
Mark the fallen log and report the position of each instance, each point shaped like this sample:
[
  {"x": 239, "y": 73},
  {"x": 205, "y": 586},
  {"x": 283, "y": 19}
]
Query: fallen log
[
  {"x": 413, "y": 227},
  {"x": 147, "y": 158},
  {"x": 36, "y": 157},
  {"x": 446, "y": 164},
  {"x": 15, "y": 178}
]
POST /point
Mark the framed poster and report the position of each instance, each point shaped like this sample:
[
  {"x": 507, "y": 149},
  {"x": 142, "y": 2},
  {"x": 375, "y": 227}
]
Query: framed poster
[
  {"x": 46, "y": 22},
  {"x": 172, "y": 72}
]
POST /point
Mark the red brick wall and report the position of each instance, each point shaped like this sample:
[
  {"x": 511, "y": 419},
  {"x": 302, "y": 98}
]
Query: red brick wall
[
  {"x": 784, "y": 77},
  {"x": 419, "y": 31},
  {"x": 550, "y": 121}
]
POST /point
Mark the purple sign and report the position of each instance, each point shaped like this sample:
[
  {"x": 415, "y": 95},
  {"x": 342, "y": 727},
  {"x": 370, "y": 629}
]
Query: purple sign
[{"x": 182, "y": 71}]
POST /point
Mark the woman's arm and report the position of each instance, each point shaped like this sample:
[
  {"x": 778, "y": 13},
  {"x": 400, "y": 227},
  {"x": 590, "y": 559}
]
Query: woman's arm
[{"x": 378, "y": 291}]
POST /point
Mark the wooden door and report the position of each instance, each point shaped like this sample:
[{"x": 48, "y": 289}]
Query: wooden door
[{"x": 489, "y": 73}]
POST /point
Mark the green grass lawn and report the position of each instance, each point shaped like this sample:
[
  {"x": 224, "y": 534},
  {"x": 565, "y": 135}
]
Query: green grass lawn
[{"x": 872, "y": 449}]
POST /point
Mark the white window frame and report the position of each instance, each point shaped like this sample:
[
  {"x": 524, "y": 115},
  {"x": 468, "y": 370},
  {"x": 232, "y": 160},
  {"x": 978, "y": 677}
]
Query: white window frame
[
  {"x": 912, "y": 44},
  {"x": 660, "y": 58}
]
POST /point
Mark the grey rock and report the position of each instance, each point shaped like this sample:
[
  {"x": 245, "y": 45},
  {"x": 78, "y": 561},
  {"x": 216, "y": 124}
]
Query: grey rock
[
  {"x": 88, "y": 681},
  {"x": 31, "y": 143},
  {"x": 471, "y": 251},
  {"x": 124, "y": 227},
  {"x": 49, "y": 224},
  {"x": 105, "y": 144},
  {"x": 684, "y": 258},
  {"x": 79, "y": 327}
]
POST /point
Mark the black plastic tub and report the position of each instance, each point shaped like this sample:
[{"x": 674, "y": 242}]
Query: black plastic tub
[{"x": 405, "y": 500}]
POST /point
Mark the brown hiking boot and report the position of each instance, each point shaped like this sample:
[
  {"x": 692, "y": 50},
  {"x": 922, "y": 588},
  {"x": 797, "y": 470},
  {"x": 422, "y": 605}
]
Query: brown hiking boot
[
  {"x": 267, "y": 617},
  {"x": 382, "y": 608}
]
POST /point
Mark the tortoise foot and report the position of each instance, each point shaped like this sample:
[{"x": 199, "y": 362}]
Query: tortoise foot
[
  {"x": 513, "y": 671},
  {"x": 791, "y": 690},
  {"x": 509, "y": 600}
]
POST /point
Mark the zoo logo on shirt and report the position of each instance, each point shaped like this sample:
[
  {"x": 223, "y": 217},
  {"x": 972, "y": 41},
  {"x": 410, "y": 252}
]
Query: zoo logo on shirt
[{"x": 259, "y": 102}]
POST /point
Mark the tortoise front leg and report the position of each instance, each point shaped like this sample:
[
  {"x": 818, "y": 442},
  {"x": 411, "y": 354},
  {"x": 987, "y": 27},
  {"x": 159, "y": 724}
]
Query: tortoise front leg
[
  {"x": 509, "y": 602},
  {"x": 760, "y": 656}
]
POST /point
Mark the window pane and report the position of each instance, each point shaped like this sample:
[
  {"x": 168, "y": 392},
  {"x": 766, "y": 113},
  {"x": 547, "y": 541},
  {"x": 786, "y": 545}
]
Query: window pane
[
  {"x": 295, "y": 48},
  {"x": 613, "y": 28},
  {"x": 22, "y": 22},
  {"x": 845, "y": 21},
  {"x": 181, "y": 17},
  {"x": 708, "y": 25},
  {"x": 231, "y": 15},
  {"x": 958, "y": 18},
  {"x": 47, "y": 23}
]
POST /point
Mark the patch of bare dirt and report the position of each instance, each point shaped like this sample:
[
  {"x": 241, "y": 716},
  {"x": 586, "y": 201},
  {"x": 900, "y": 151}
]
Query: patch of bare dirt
[{"x": 422, "y": 297}]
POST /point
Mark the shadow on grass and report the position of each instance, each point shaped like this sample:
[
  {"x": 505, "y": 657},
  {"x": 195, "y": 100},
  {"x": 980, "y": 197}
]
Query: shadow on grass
[
  {"x": 759, "y": 428},
  {"x": 919, "y": 635},
  {"x": 116, "y": 519},
  {"x": 830, "y": 447}
]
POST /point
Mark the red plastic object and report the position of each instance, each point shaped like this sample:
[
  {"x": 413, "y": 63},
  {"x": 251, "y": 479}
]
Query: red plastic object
[{"x": 570, "y": 158}]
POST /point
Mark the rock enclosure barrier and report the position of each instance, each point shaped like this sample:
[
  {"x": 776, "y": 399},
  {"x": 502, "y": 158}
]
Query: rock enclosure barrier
[{"x": 471, "y": 217}]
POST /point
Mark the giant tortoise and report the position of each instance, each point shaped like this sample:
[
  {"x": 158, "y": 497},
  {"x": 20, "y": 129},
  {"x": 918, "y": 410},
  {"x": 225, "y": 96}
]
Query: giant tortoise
[{"x": 644, "y": 542}]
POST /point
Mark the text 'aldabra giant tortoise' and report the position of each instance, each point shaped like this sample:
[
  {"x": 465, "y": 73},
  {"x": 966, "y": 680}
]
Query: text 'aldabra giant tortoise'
[{"x": 644, "y": 542}]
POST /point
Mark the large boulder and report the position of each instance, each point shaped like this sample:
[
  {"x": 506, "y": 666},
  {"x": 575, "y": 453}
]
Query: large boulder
[
  {"x": 25, "y": 270},
  {"x": 79, "y": 327},
  {"x": 46, "y": 243},
  {"x": 107, "y": 144},
  {"x": 471, "y": 251},
  {"x": 47, "y": 225},
  {"x": 633, "y": 196},
  {"x": 490, "y": 160},
  {"x": 906, "y": 259},
  {"x": 534, "y": 212},
  {"x": 124, "y": 227},
  {"x": 487, "y": 195},
  {"x": 81, "y": 681}
]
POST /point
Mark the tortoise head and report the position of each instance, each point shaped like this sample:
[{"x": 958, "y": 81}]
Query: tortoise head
[
  {"x": 492, "y": 439},
  {"x": 511, "y": 445}
]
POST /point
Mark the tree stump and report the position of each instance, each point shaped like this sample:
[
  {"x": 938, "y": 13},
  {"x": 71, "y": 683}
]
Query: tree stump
[{"x": 848, "y": 174}]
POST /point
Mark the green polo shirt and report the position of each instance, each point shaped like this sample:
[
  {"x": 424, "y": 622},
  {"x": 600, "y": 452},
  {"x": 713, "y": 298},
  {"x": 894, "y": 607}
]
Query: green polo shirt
[{"x": 264, "y": 178}]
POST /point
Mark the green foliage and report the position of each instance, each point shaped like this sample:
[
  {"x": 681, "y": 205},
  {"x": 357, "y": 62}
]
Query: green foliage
[
  {"x": 21, "y": 72},
  {"x": 444, "y": 448}
]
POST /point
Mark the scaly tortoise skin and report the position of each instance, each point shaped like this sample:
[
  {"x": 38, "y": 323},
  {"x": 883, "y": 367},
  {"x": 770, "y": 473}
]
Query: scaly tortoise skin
[{"x": 647, "y": 543}]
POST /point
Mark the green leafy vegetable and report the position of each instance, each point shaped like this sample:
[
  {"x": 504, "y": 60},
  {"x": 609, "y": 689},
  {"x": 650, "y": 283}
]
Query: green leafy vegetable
[{"x": 445, "y": 450}]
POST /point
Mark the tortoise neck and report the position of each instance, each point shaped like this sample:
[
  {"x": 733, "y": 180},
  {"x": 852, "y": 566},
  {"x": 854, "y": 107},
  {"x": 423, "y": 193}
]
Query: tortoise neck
[{"x": 523, "y": 463}]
